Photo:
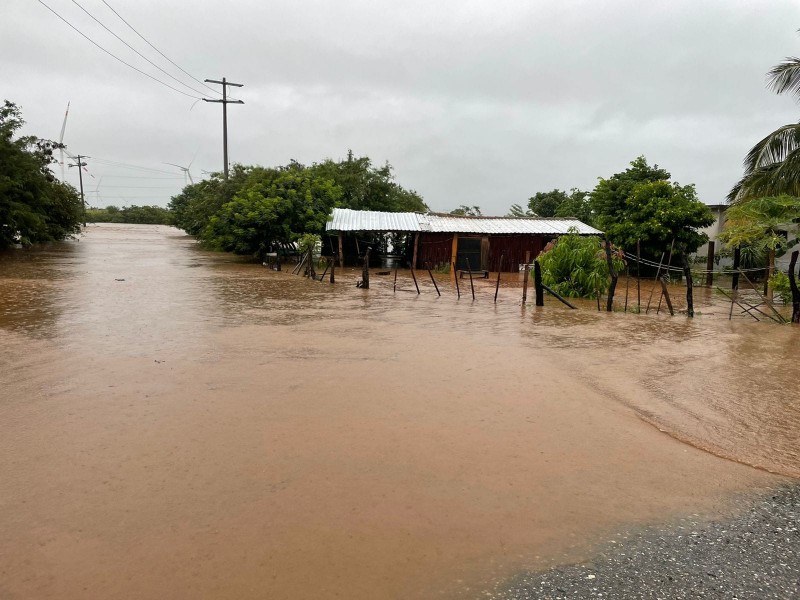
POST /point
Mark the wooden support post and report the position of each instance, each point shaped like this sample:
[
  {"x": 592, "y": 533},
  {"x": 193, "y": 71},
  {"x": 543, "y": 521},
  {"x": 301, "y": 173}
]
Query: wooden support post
[
  {"x": 710, "y": 265},
  {"x": 687, "y": 273},
  {"x": 312, "y": 273},
  {"x": 497, "y": 286},
  {"x": 416, "y": 285},
  {"x": 737, "y": 257},
  {"x": 433, "y": 279},
  {"x": 525, "y": 277},
  {"x": 666, "y": 275},
  {"x": 627, "y": 284},
  {"x": 325, "y": 272},
  {"x": 665, "y": 295},
  {"x": 365, "y": 271},
  {"x": 341, "y": 249},
  {"x": 638, "y": 279},
  {"x": 333, "y": 269},
  {"x": 458, "y": 290},
  {"x": 558, "y": 297},
  {"x": 278, "y": 260},
  {"x": 416, "y": 246},
  {"x": 469, "y": 270},
  {"x": 613, "y": 272},
  {"x": 794, "y": 288},
  {"x": 537, "y": 283},
  {"x": 394, "y": 289},
  {"x": 454, "y": 257}
]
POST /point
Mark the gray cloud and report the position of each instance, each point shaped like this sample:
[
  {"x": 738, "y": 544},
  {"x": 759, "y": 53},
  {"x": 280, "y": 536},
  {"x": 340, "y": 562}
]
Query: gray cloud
[{"x": 472, "y": 102}]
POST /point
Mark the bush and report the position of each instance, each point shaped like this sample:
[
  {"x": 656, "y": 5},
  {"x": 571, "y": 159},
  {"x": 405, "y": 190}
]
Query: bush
[
  {"x": 779, "y": 282},
  {"x": 576, "y": 266}
]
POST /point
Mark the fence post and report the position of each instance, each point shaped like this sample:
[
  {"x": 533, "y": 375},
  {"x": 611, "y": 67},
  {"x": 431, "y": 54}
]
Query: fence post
[
  {"x": 525, "y": 277},
  {"x": 537, "y": 283}
]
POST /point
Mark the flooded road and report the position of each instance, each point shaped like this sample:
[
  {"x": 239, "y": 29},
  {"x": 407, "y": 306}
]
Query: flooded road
[{"x": 179, "y": 424}]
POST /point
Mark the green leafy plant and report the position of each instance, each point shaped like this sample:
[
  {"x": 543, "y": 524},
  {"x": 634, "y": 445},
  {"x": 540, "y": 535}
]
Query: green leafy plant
[
  {"x": 575, "y": 266},
  {"x": 779, "y": 282}
]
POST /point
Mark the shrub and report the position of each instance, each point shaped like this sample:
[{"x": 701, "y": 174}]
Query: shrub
[{"x": 576, "y": 266}]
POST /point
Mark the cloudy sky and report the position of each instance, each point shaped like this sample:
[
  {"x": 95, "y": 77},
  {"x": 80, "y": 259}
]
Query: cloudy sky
[{"x": 473, "y": 102}]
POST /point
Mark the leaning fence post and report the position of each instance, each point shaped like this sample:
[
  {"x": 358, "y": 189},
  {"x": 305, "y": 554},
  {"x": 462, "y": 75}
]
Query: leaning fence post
[
  {"x": 469, "y": 270},
  {"x": 497, "y": 287},
  {"x": 432, "y": 278},
  {"x": 458, "y": 290},
  {"x": 416, "y": 285}
]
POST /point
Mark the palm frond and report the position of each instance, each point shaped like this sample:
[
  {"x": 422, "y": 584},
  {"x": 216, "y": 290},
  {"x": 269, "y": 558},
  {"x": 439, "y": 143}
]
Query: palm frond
[
  {"x": 785, "y": 77},
  {"x": 771, "y": 180},
  {"x": 774, "y": 148}
]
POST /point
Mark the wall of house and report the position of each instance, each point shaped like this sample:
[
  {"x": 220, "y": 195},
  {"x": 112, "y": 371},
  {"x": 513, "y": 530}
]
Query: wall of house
[{"x": 436, "y": 249}]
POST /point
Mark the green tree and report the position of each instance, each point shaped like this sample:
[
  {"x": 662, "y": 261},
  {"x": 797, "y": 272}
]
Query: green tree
[
  {"x": 34, "y": 206},
  {"x": 365, "y": 187},
  {"x": 545, "y": 204},
  {"x": 467, "y": 211},
  {"x": 641, "y": 204},
  {"x": 193, "y": 208},
  {"x": 760, "y": 225},
  {"x": 273, "y": 206},
  {"x": 772, "y": 167}
]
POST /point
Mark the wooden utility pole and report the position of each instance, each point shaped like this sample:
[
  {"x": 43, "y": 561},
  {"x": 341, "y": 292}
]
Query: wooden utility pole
[
  {"x": 224, "y": 83},
  {"x": 80, "y": 164}
]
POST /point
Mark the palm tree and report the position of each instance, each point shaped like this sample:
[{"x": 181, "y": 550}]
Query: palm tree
[{"x": 772, "y": 167}]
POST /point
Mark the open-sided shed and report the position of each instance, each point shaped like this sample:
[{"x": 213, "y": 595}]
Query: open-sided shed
[{"x": 440, "y": 239}]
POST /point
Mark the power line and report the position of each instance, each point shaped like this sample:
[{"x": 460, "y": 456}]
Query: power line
[
  {"x": 159, "y": 51},
  {"x": 135, "y": 50},
  {"x": 115, "y": 57},
  {"x": 114, "y": 163}
]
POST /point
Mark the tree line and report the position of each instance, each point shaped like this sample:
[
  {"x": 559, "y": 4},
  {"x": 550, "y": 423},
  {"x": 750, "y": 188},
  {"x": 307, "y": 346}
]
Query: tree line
[
  {"x": 258, "y": 209},
  {"x": 150, "y": 215},
  {"x": 34, "y": 206}
]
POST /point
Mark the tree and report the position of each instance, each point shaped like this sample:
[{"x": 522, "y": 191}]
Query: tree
[
  {"x": 467, "y": 211},
  {"x": 34, "y": 206},
  {"x": 760, "y": 224},
  {"x": 365, "y": 187},
  {"x": 545, "y": 204},
  {"x": 274, "y": 206},
  {"x": 640, "y": 204},
  {"x": 556, "y": 203},
  {"x": 772, "y": 167}
]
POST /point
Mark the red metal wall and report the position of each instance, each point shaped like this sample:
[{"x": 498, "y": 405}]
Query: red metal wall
[{"x": 435, "y": 249}]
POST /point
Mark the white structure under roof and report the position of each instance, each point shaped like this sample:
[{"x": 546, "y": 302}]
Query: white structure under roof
[{"x": 345, "y": 219}]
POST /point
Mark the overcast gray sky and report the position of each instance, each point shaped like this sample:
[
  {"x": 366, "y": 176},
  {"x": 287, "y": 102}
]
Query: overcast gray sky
[{"x": 473, "y": 102}]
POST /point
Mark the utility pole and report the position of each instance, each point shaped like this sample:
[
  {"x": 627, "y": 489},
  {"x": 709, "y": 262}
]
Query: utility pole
[
  {"x": 224, "y": 83},
  {"x": 80, "y": 166}
]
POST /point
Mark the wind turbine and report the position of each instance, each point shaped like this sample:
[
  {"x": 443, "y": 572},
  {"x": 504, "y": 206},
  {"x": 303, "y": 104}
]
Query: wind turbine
[
  {"x": 61, "y": 142},
  {"x": 186, "y": 172}
]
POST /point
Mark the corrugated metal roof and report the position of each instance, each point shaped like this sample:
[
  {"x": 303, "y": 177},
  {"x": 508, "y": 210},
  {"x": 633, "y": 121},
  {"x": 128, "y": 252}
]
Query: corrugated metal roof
[
  {"x": 344, "y": 219},
  {"x": 506, "y": 225}
]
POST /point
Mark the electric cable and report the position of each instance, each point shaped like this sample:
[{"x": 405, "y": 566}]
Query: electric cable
[
  {"x": 135, "y": 50},
  {"x": 159, "y": 51},
  {"x": 114, "y": 56}
]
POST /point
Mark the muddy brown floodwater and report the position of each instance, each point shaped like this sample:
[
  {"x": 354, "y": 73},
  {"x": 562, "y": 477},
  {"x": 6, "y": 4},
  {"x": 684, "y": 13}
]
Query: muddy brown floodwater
[{"x": 179, "y": 424}]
